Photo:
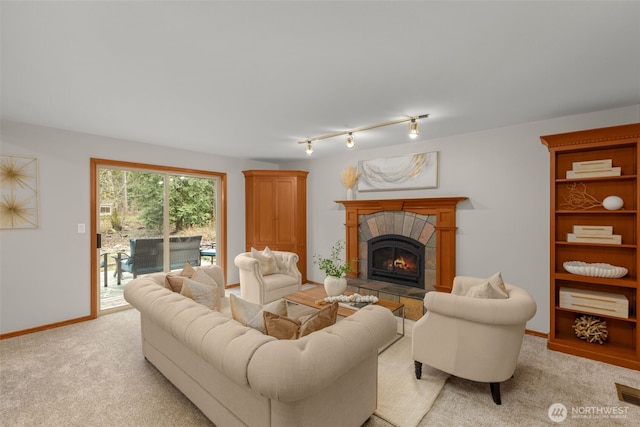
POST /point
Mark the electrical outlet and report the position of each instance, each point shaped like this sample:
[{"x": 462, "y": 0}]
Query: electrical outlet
[{"x": 81, "y": 228}]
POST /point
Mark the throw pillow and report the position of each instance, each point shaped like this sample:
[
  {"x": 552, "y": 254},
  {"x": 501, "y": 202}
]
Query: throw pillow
[
  {"x": 251, "y": 314},
  {"x": 267, "y": 261},
  {"x": 202, "y": 277},
  {"x": 285, "y": 328},
  {"x": 215, "y": 273},
  {"x": 481, "y": 290},
  {"x": 173, "y": 281},
  {"x": 323, "y": 318},
  {"x": 278, "y": 264},
  {"x": 281, "y": 327},
  {"x": 204, "y": 294},
  {"x": 500, "y": 290}
]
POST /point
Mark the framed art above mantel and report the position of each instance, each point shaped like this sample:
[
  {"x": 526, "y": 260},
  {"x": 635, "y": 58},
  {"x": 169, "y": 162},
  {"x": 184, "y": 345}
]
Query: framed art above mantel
[{"x": 409, "y": 172}]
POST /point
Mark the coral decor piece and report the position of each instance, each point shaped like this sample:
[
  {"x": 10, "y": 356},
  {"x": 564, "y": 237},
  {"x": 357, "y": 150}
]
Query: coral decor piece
[
  {"x": 591, "y": 329},
  {"x": 353, "y": 298},
  {"x": 578, "y": 198}
]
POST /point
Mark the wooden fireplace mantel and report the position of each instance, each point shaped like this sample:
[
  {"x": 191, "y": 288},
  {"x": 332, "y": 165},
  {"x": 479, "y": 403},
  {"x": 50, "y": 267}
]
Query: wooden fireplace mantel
[{"x": 444, "y": 208}]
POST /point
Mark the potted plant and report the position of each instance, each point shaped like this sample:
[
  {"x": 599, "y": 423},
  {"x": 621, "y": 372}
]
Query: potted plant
[{"x": 335, "y": 268}]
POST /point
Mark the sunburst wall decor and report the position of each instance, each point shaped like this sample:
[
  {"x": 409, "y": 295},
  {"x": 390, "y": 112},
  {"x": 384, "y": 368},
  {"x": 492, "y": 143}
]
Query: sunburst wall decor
[{"x": 18, "y": 192}]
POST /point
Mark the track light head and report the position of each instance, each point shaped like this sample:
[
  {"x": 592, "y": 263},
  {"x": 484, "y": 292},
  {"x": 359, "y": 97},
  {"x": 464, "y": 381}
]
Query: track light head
[
  {"x": 351, "y": 141},
  {"x": 309, "y": 149},
  {"x": 414, "y": 130}
]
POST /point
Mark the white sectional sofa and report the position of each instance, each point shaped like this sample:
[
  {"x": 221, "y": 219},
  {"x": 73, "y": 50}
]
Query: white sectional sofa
[{"x": 238, "y": 376}]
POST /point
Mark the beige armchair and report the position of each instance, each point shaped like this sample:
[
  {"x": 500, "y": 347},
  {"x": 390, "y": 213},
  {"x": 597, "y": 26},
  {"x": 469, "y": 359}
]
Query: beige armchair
[
  {"x": 259, "y": 288},
  {"x": 472, "y": 338}
]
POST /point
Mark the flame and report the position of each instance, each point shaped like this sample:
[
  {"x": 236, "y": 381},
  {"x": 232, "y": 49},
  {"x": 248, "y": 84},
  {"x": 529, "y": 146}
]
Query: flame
[{"x": 400, "y": 263}]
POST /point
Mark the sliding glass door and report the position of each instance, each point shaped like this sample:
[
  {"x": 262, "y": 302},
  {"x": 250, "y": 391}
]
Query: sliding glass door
[{"x": 151, "y": 219}]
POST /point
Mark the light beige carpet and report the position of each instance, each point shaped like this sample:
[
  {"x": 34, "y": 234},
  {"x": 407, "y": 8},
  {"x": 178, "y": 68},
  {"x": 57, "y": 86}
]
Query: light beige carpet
[
  {"x": 93, "y": 374},
  {"x": 404, "y": 400}
]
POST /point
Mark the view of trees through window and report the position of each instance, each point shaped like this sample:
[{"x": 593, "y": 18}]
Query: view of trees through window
[
  {"x": 132, "y": 206},
  {"x": 151, "y": 220},
  {"x": 137, "y": 201}
]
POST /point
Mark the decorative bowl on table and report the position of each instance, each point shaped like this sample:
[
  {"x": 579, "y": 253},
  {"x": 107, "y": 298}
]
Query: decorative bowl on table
[{"x": 596, "y": 269}]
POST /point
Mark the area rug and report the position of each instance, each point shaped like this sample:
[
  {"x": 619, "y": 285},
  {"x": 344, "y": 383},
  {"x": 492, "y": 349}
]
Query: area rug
[{"x": 404, "y": 400}]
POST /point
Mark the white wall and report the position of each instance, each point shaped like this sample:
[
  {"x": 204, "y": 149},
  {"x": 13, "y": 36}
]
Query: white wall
[
  {"x": 45, "y": 272},
  {"x": 504, "y": 226}
]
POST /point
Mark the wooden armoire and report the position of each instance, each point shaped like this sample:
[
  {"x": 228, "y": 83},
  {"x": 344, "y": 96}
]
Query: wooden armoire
[{"x": 276, "y": 212}]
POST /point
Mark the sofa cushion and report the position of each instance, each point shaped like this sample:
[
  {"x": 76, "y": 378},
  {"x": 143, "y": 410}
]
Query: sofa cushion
[
  {"x": 174, "y": 280},
  {"x": 277, "y": 281},
  {"x": 251, "y": 314},
  {"x": 286, "y": 328},
  {"x": 202, "y": 293}
]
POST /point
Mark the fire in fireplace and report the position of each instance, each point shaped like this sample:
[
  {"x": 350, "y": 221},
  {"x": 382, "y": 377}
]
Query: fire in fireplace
[{"x": 396, "y": 259}]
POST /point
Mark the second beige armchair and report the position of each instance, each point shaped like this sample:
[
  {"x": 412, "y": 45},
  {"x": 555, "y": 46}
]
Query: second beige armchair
[
  {"x": 262, "y": 285},
  {"x": 477, "y": 339}
]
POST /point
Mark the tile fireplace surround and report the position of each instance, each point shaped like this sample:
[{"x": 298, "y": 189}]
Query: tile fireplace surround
[{"x": 432, "y": 221}]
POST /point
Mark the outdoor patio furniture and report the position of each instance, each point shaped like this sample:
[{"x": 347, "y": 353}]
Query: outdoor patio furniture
[
  {"x": 208, "y": 250},
  {"x": 146, "y": 255}
]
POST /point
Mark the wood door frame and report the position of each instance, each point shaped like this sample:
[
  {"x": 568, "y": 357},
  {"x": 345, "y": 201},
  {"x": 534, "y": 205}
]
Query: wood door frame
[{"x": 221, "y": 241}]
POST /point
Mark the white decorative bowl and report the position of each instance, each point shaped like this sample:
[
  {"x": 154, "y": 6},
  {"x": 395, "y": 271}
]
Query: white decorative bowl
[{"x": 596, "y": 269}]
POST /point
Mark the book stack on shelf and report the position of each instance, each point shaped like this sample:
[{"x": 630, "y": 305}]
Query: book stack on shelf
[
  {"x": 607, "y": 303},
  {"x": 594, "y": 234},
  {"x": 593, "y": 168}
]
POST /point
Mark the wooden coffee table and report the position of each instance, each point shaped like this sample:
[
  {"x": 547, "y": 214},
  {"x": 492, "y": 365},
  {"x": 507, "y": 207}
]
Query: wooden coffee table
[{"x": 314, "y": 297}]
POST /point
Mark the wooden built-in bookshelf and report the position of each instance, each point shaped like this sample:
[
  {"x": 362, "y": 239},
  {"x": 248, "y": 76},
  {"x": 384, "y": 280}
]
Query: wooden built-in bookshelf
[{"x": 620, "y": 144}]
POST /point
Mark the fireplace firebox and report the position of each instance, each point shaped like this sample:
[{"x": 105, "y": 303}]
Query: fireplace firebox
[{"x": 396, "y": 259}]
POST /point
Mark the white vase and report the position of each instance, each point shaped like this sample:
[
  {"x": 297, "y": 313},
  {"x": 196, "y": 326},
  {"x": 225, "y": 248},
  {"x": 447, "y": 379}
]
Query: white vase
[
  {"x": 335, "y": 286},
  {"x": 350, "y": 194}
]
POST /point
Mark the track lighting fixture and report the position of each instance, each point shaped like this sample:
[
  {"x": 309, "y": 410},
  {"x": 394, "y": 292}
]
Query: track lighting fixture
[
  {"x": 414, "y": 131},
  {"x": 350, "y": 142}
]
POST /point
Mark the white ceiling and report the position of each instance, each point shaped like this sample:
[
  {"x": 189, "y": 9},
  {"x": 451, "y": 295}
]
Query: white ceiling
[{"x": 250, "y": 79}]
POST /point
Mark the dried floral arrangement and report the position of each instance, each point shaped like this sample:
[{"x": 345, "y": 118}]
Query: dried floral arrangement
[
  {"x": 350, "y": 177},
  {"x": 578, "y": 198}
]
